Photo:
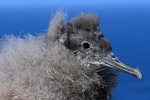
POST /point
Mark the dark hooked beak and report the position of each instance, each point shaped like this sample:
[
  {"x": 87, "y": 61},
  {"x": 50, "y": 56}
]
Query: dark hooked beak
[{"x": 111, "y": 61}]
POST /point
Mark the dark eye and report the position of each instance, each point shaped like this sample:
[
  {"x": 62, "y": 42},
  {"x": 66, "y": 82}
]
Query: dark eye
[{"x": 85, "y": 44}]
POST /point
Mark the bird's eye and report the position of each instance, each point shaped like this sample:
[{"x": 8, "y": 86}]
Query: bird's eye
[{"x": 85, "y": 44}]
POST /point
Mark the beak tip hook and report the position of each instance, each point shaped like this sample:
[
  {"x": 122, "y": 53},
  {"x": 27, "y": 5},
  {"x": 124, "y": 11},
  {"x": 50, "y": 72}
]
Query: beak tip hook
[{"x": 138, "y": 73}]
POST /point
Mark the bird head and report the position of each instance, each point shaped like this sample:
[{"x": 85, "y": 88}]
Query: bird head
[{"x": 82, "y": 36}]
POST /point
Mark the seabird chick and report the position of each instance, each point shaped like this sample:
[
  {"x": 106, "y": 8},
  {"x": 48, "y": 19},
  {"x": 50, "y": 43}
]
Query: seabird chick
[{"x": 73, "y": 61}]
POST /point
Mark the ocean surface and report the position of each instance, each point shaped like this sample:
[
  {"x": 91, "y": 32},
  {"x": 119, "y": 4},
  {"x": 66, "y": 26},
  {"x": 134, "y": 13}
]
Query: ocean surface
[{"x": 126, "y": 26}]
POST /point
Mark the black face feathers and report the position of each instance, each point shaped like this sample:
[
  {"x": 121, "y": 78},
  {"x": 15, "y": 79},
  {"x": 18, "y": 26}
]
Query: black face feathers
[{"x": 86, "y": 28}]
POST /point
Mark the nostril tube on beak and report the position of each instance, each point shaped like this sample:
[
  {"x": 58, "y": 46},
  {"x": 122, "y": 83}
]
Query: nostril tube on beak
[{"x": 113, "y": 62}]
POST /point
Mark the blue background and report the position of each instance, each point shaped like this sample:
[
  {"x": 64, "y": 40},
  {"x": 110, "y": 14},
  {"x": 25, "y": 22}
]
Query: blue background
[{"x": 126, "y": 23}]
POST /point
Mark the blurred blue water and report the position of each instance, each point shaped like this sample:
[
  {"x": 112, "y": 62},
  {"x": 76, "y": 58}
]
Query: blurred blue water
[{"x": 127, "y": 28}]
